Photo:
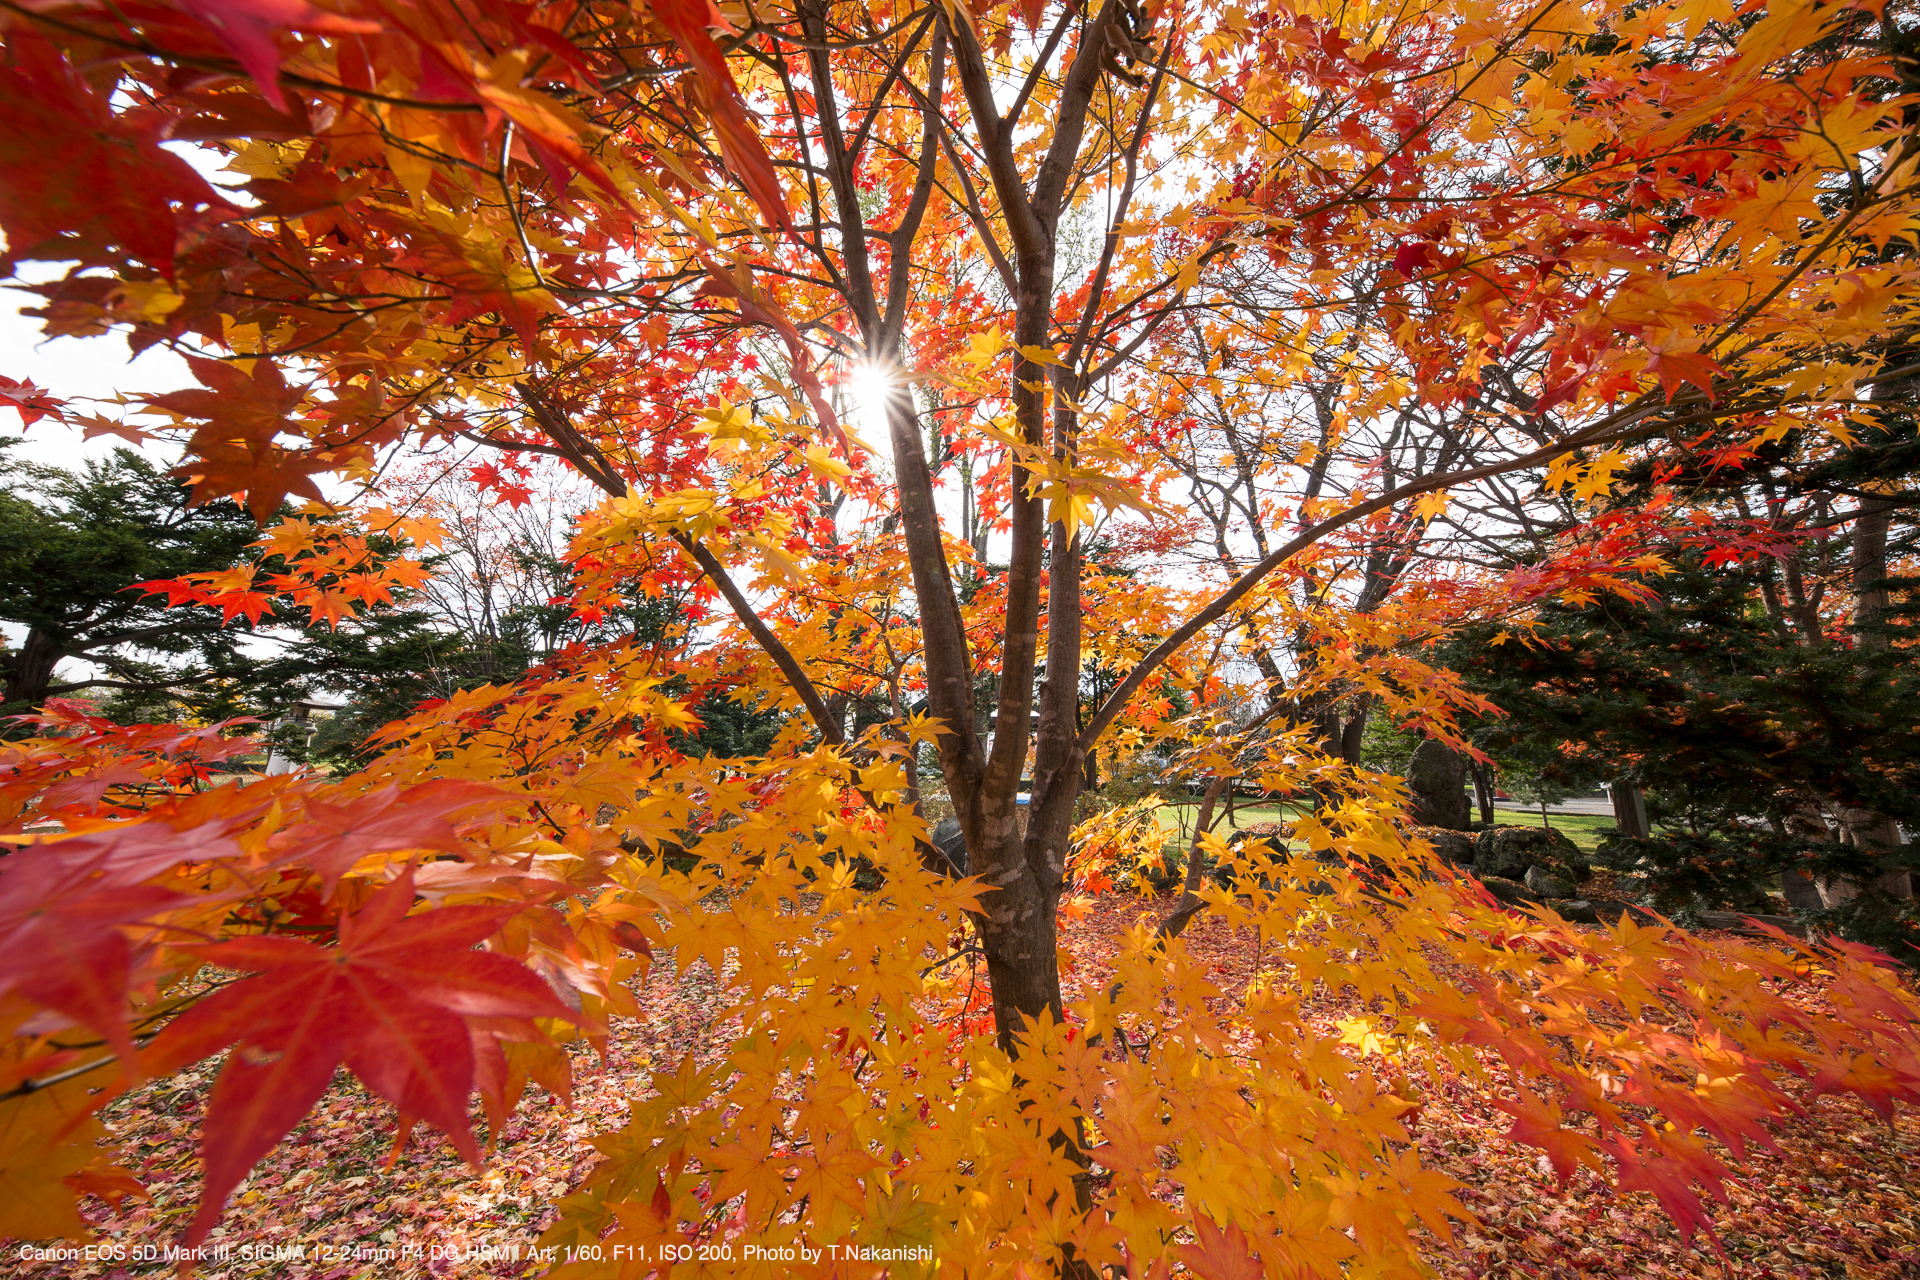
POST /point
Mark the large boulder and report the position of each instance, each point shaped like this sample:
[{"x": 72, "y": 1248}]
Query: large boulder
[
  {"x": 1454, "y": 846},
  {"x": 1546, "y": 884},
  {"x": 1510, "y": 893},
  {"x": 1510, "y": 851},
  {"x": 1437, "y": 776}
]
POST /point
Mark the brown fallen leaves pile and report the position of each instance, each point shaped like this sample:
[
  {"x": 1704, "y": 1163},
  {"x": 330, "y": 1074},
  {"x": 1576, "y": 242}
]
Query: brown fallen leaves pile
[{"x": 1842, "y": 1199}]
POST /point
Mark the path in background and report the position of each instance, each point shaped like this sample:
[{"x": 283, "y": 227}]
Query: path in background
[{"x": 1601, "y": 806}]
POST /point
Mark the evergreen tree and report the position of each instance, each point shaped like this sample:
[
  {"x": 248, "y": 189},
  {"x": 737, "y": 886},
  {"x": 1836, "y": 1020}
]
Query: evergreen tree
[
  {"x": 73, "y": 544},
  {"x": 1742, "y": 737}
]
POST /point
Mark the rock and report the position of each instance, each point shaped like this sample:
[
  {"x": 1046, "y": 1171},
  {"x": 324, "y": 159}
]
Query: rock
[
  {"x": 948, "y": 840},
  {"x": 1510, "y": 892},
  {"x": 1547, "y": 885},
  {"x": 1503, "y": 851},
  {"x": 1267, "y": 832},
  {"x": 1437, "y": 775},
  {"x": 1577, "y": 911},
  {"x": 1801, "y": 893},
  {"x": 1743, "y": 922},
  {"x": 1453, "y": 846},
  {"x": 1610, "y": 910},
  {"x": 1509, "y": 851}
]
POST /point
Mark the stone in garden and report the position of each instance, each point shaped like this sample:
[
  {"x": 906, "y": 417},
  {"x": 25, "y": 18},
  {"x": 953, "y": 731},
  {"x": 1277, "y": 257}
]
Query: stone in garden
[
  {"x": 1453, "y": 846},
  {"x": 1577, "y": 911},
  {"x": 1547, "y": 885},
  {"x": 1510, "y": 892},
  {"x": 1437, "y": 776},
  {"x": 1509, "y": 851},
  {"x": 948, "y": 840},
  {"x": 1801, "y": 893}
]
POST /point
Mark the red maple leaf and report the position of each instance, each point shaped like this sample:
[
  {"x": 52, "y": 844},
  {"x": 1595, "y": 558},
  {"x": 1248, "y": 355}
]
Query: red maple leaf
[
  {"x": 77, "y": 178},
  {"x": 1668, "y": 1167},
  {"x": 391, "y": 820},
  {"x": 62, "y": 908},
  {"x": 1539, "y": 1124},
  {"x": 1676, "y": 368},
  {"x": 29, "y": 401},
  {"x": 233, "y": 445},
  {"x": 247, "y": 28},
  {"x": 397, "y": 1001},
  {"x": 690, "y": 22}
]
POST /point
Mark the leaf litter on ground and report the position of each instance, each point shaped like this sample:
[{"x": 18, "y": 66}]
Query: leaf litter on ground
[{"x": 1840, "y": 1199}]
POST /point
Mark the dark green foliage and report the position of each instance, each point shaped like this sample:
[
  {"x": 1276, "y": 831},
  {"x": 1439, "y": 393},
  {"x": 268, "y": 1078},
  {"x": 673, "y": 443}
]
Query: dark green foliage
[
  {"x": 1701, "y": 702},
  {"x": 410, "y": 664},
  {"x": 1683, "y": 875},
  {"x": 71, "y": 546},
  {"x": 1731, "y": 727}
]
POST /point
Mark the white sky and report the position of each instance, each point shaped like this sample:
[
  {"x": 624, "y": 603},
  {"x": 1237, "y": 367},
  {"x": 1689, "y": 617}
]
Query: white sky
[{"x": 73, "y": 369}]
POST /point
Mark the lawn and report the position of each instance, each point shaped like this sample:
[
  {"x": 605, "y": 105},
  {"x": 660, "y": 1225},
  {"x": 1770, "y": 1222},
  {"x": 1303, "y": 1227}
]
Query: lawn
[{"x": 1176, "y": 819}]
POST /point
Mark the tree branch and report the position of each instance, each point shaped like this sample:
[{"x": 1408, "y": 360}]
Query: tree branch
[{"x": 830, "y": 729}]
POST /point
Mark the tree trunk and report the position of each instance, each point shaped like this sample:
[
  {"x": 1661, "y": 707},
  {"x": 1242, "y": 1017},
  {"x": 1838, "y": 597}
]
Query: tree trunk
[
  {"x": 1483, "y": 789},
  {"x": 1870, "y": 572},
  {"x": 1354, "y": 735},
  {"x": 1875, "y": 833},
  {"x": 30, "y": 668},
  {"x": 1191, "y": 903},
  {"x": 1867, "y": 829},
  {"x": 1629, "y": 810}
]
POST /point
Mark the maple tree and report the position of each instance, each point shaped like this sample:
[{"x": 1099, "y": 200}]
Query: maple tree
[{"x": 655, "y": 243}]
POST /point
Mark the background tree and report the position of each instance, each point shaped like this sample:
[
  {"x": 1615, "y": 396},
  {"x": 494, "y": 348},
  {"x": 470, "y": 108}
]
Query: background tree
[
  {"x": 73, "y": 546},
  {"x": 1751, "y": 745}
]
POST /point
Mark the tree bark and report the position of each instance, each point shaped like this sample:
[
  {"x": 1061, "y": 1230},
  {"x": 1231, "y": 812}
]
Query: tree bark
[
  {"x": 30, "y": 668},
  {"x": 1483, "y": 789},
  {"x": 1870, "y": 572},
  {"x": 1866, "y": 829},
  {"x": 1191, "y": 904},
  {"x": 1629, "y": 810}
]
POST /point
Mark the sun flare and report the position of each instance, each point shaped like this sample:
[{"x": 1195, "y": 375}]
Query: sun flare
[{"x": 870, "y": 384}]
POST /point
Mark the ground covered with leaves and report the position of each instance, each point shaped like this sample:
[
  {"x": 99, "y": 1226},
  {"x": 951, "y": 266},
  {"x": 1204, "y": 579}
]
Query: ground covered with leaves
[{"x": 1840, "y": 1198}]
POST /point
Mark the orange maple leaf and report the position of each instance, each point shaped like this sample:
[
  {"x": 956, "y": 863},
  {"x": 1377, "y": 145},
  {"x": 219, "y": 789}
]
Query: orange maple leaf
[{"x": 1220, "y": 1254}]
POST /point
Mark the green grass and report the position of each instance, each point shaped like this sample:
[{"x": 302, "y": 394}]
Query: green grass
[{"x": 1177, "y": 816}]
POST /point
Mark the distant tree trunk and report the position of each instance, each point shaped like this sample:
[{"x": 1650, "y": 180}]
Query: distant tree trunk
[
  {"x": 1483, "y": 789},
  {"x": 1867, "y": 829},
  {"x": 1191, "y": 904},
  {"x": 1873, "y": 833},
  {"x": 1436, "y": 777},
  {"x": 1629, "y": 810},
  {"x": 30, "y": 668},
  {"x": 1801, "y": 891},
  {"x": 1870, "y": 572},
  {"x": 1355, "y": 732}
]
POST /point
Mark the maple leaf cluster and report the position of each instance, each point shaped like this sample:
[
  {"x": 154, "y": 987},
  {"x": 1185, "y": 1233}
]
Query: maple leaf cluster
[{"x": 652, "y": 243}]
